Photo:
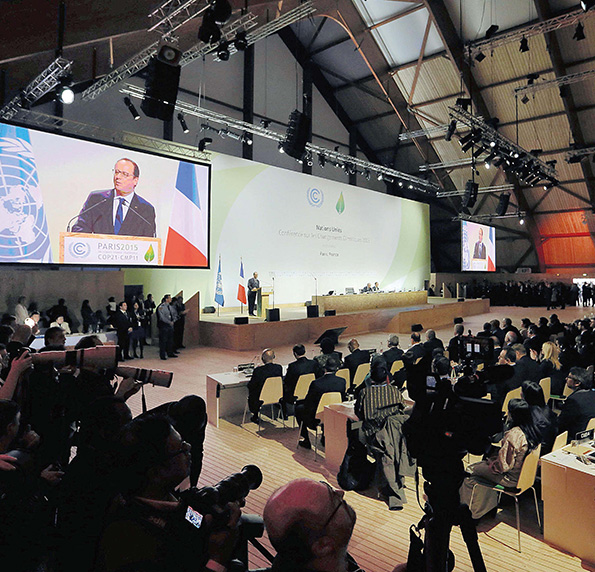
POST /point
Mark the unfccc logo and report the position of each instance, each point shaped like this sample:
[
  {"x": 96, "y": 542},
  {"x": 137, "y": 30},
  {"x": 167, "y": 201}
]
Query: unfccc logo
[
  {"x": 315, "y": 197},
  {"x": 79, "y": 249}
]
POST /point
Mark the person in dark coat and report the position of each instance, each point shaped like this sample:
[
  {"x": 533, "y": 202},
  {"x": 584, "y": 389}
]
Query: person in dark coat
[
  {"x": 302, "y": 365},
  {"x": 123, "y": 324},
  {"x": 579, "y": 406},
  {"x": 355, "y": 359},
  {"x": 260, "y": 375},
  {"x": 305, "y": 411}
]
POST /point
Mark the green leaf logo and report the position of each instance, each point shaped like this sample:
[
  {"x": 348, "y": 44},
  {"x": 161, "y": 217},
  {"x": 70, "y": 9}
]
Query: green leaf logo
[
  {"x": 150, "y": 254},
  {"x": 340, "y": 204}
]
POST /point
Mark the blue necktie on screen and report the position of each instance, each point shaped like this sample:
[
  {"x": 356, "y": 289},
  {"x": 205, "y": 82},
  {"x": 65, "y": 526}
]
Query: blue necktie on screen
[{"x": 119, "y": 215}]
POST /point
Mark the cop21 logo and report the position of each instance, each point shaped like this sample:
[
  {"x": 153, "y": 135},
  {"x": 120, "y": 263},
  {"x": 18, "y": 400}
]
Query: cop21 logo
[{"x": 315, "y": 197}]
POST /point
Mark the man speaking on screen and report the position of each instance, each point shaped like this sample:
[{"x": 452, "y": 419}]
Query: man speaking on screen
[
  {"x": 480, "y": 248},
  {"x": 119, "y": 210}
]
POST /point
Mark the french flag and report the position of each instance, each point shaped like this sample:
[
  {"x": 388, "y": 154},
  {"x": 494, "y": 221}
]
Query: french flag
[
  {"x": 491, "y": 249},
  {"x": 186, "y": 243},
  {"x": 241, "y": 287}
]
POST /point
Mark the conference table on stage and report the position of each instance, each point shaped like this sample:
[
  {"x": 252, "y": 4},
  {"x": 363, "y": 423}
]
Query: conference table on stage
[{"x": 369, "y": 301}]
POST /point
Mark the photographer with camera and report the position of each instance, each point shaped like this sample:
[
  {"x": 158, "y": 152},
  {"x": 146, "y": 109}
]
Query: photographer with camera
[{"x": 150, "y": 529}]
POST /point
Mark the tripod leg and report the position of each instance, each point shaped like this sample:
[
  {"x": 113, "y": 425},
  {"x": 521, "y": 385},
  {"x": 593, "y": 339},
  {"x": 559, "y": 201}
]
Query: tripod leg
[
  {"x": 437, "y": 538},
  {"x": 469, "y": 533}
]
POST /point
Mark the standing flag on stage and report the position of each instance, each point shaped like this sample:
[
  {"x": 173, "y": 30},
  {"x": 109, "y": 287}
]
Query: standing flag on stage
[
  {"x": 241, "y": 287},
  {"x": 186, "y": 243},
  {"x": 23, "y": 226},
  {"x": 219, "y": 299}
]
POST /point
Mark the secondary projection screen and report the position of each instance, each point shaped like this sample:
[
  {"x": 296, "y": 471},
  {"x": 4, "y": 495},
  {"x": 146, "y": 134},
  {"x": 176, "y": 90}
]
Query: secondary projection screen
[
  {"x": 478, "y": 247},
  {"x": 66, "y": 200}
]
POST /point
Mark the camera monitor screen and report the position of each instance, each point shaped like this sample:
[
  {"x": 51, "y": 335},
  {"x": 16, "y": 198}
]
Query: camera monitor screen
[
  {"x": 478, "y": 247},
  {"x": 65, "y": 200}
]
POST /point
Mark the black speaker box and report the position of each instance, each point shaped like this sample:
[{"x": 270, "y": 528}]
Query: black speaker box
[
  {"x": 457, "y": 321},
  {"x": 297, "y": 134},
  {"x": 240, "y": 320},
  {"x": 330, "y": 312},
  {"x": 312, "y": 311},
  {"x": 272, "y": 314},
  {"x": 208, "y": 310},
  {"x": 161, "y": 89},
  {"x": 470, "y": 196},
  {"x": 416, "y": 327},
  {"x": 503, "y": 204}
]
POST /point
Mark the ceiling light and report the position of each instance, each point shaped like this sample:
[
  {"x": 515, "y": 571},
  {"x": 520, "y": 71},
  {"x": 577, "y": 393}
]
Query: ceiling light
[
  {"x": 492, "y": 144},
  {"x": 183, "y": 123},
  {"x": 400, "y": 183},
  {"x": 410, "y": 187},
  {"x": 221, "y": 11},
  {"x": 131, "y": 108},
  {"x": 463, "y": 102},
  {"x": 202, "y": 144},
  {"x": 280, "y": 148},
  {"x": 524, "y": 99},
  {"x": 246, "y": 138},
  {"x": 367, "y": 174},
  {"x": 321, "y": 160},
  {"x": 579, "y": 33},
  {"x": 586, "y": 5},
  {"x": 209, "y": 31},
  {"x": 64, "y": 92},
  {"x": 480, "y": 57},
  {"x": 521, "y": 221},
  {"x": 524, "y": 47},
  {"x": 380, "y": 176}
]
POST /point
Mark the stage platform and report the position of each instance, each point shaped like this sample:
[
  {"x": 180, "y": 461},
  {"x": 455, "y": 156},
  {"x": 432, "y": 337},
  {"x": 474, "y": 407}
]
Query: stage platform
[{"x": 295, "y": 327}]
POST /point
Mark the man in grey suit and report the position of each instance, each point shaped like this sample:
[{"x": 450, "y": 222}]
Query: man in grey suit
[{"x": 480, "y": 248}]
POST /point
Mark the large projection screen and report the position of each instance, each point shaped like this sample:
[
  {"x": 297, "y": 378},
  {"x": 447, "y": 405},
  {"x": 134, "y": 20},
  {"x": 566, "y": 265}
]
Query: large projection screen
[
  {"x": 60, "y": 203},
  {"x": 478, "y": 247}
]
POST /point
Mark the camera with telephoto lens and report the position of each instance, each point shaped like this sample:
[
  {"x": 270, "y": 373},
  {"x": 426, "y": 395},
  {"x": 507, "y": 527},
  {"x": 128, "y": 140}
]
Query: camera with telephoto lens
[
  {"x": 99, "y": 357},
  {"x": 213, "y": 500},
  {"x": 145, "y": 376}
]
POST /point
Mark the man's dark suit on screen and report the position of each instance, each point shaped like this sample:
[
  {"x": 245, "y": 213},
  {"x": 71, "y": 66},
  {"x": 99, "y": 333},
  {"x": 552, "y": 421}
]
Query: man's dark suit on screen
[
  {"x": 260, "y": 375},
  {"x": 480, "y": 250},
  {"x": 97, "y": 216}
]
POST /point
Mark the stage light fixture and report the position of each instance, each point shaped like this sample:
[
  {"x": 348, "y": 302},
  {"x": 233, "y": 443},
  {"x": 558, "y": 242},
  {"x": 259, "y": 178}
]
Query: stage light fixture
[
  {"x": 521, "y": 221},
  {"x": 452, "y": 127},
  {"x": 321, "y": 161},
  {"x": 367, "y": 174},
  {"x": 488, "y": 160},
  {"x": 280, "y": 148},
  {"x": 480, "y": 57},
  {"x": 131, "y": 108},
  {"x": 492, "y": 144},
  {"x": 221, "y": 11},
  {"x": 465, "y": 139},
  {"x": 579, "y": 33},
  {"x": 410, "y": 187},
  {"x": 401, "y": 183},
  {"x": 586, "y": 5},
  {"x": 202, "y": 144},
  {"x": 467, "y": 146},
  {"x": 265, "y": 123},
  {"x": 525, "y": 99},
  {"x": 223, "y": 51},
  {"x": 380, "y": 176},
  {"x": 240, "y": 42},
  {"x": 183, "y": 123},
  {"x": 209, "y": 32},
  {"x": 246, "y": 138},
  {"x": 524, "y": 46},
  {"x": 64, "y": 91},
  {"x": 463, "y": 103}
]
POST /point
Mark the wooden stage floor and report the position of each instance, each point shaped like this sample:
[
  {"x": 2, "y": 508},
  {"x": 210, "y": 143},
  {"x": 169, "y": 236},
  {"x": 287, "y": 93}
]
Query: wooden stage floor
[{"x": 381, "y": 538}]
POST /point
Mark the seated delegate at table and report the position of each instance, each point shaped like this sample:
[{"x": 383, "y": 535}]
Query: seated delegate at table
[
  {"x": 579, "y": 406},
  {"x": 260, "y": 375},
  {"x": 302, "y": 365}
]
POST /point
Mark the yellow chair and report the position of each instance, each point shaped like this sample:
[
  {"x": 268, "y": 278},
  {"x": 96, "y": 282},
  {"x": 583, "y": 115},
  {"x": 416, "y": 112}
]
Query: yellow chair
[
  {"x": 271, "y": 393},
  {"x": 560, "y": 441},
  {"x": 398, "y": 365},
  {"x": 302, "y": 385},
  {"x": 326, "y": 399},
  {"x": 344, "y": 373},
  {"x": 360, "y": 373},
  {"x": 546, "y": 386},
  {"x": 591, "y": 424},
  {"x": 514, "y": 394},
  {"x": 526, "y": 481}
]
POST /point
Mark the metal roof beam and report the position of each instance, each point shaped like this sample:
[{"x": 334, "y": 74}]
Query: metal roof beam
[
  {"x": 553, "y": 47},
  {"x": 329, "y": 45},
  {"x": 456, "y": 51}
]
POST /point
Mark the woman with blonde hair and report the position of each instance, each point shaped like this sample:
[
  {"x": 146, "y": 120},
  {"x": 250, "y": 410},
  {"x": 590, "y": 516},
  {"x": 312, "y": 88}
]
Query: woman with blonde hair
[{"x": 550, "y": 366}]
